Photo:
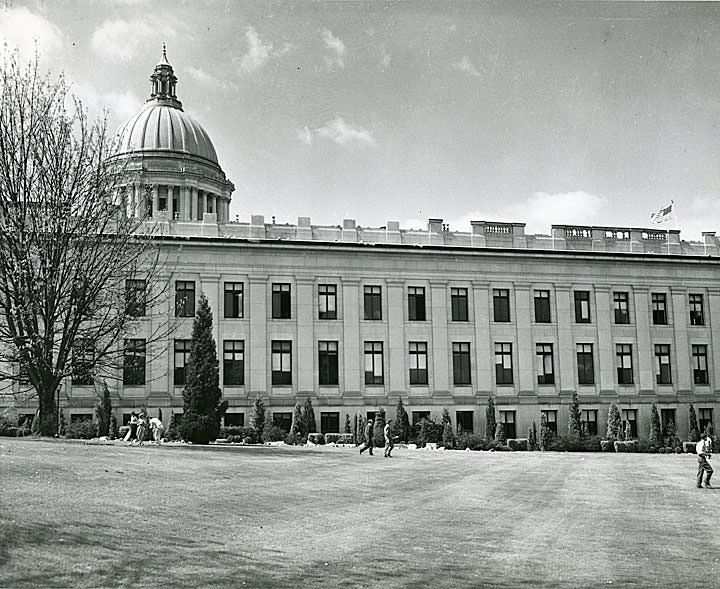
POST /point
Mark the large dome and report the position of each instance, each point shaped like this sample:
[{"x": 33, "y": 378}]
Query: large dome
[
  {"x": 165, "y": 127},
  {"x": 162, "y": 125}
]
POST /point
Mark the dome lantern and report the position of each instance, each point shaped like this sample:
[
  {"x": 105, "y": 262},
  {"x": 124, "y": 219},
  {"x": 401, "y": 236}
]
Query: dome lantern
[{"x": 163, "y": 82}]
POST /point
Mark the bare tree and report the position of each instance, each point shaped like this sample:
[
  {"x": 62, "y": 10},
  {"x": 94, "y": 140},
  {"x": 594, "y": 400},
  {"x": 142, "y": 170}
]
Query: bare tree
[{"x": 76, "y": 270}]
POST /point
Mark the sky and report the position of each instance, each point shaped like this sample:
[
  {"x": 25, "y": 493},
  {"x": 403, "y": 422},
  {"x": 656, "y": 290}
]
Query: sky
[{"x": 592, "y": 113}]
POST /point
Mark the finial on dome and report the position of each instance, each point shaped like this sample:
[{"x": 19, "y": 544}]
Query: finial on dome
[{"x": 164, "y": 60}]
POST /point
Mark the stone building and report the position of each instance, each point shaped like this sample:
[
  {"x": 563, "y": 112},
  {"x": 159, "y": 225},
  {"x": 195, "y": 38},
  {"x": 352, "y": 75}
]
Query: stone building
[{"x": 357, "y": 317}]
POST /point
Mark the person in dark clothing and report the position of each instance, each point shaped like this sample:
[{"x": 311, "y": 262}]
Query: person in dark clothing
[
  {"x": 368, "y": 443},
  {"x": 389, "y": 445}
]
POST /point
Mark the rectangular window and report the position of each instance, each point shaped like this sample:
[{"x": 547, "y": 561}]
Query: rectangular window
[
  {"x": 184, "y": 298},
  {"x": 134, "y": 362},
  {"x": 586, "y": 369},
  {"x": 327, "y": 301},
  {"x": 662, "y": 364},
  {"x": 280, "y": 301},
  {"x": 416, "y": 303},
  {"x": 503, "y": 363},
  {"x": 234, "y": 363},
  {"x": 234, "y": 419},
  {"x": 135, "y": 298},
  {"x": 82, "y": 362},
  {"x": 283, "y": 420},
  {"x": 328, "y": 363},
  {"x": 550, "y": 417},
  {"x": 501, "y": 305},
  {"x": 659, "y": 308},
  {"x": 621, "y": 307},
  {"x": 182, "y": 353},
  {"x": 418, "y": 363},
  {"x": 630, "y": 416},
  {"x": 330, "y": 422},
  {"x": 459, "y": 304},
  {"x": 234, "y": 293},
  {"x": 699, "y": 359},
  {"x": 281, "y": 362},
  {"x": 705, "y": 418},
  {"x": 373, "y": 303},
  {"x": 461, "y": 363},
  {"x": 374, "y": 363},
  {"x": 588, "y": 420},
  {"x": 464, "y": 421},
  {"x": 667, "y": 416},
  {"x": 582, "y": 306},
  {"x": 418, "y": 416},
  {"x": 623, "y": 353},
  {"x": 697, "y": 316},
  {"x": 542, "y": 306},
  {"x": 507, "y": 418},
  {"x": 544, "y": 354}
]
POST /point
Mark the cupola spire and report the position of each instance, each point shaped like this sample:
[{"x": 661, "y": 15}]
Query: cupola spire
[{"x": 163, "y": 82}]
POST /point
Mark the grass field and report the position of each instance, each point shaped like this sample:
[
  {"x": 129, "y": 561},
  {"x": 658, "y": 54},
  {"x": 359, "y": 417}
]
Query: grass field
[{"x": 110, "y": 515}]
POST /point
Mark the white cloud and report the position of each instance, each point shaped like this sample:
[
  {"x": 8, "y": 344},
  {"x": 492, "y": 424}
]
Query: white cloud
[
  {"x": 338, "y": 131},
  {"x": 467, "y": 66},
  {"x": 337, "y": 47},
  {"x": 124, "y": 40},
  {"x": 542, "y": 210},
  {"x": 120, "y": 105},
  {"x": 258, "y": 53},
  {"x": 21, "y": 29}
]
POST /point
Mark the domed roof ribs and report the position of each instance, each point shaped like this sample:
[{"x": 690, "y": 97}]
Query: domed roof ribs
[{"x": 162, "y": 125}]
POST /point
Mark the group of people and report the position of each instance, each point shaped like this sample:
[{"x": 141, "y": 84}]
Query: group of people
[
  {"x": 369, "y": 433},
  {"x": 141, "y": 426}
]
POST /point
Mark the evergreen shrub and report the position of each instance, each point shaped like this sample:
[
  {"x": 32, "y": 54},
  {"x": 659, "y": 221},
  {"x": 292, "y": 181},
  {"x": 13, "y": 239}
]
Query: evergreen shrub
[
  {"x": 273, "y": 433},
  {"x": 113, "y": 429},
  {"x": 428, "y": 432},
  {"x": 379, "y": 426},
  {"x": 471, "y": 441},
  {"x": 296, "y": 439},
  {"x": 688, "y": 447},
  {"x": 198, "y": 429},
  {"x": 81, "y": 430},
  {"x": 448, "y": 438}
]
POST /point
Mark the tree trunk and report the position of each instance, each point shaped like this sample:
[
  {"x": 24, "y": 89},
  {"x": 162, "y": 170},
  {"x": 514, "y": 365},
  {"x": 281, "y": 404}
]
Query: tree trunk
[{"x": 48, "y": 414}]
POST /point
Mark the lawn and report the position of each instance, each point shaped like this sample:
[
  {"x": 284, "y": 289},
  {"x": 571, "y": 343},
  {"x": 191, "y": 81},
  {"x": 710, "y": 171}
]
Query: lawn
[{"x": 111, "y": 515}]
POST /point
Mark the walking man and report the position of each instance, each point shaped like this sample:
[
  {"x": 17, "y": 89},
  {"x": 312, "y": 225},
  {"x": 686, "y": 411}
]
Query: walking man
[
  {"x": 368, "y": 443},
  {"x": 388, "y": 439},
  {"x": 703, "y": 452}
]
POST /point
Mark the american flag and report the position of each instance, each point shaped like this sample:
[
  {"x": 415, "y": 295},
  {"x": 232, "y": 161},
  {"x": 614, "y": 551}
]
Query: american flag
[{"x": 664, "y": 214}]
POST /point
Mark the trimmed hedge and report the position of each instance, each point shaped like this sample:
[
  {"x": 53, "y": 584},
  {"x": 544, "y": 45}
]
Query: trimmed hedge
[
  {"x": 689, "y": 447},
  {"x": 517, "y": 444},
  {"x": 83, "y": 430},
  {"x": 626, "y": 446},
  {"x": 338, "y": 438},
  {"x": 607, "y": 445},
  {"x": 316, "y": 438}
]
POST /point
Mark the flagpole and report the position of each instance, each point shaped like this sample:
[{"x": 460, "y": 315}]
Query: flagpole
[{"x": 672, "y": 204}]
